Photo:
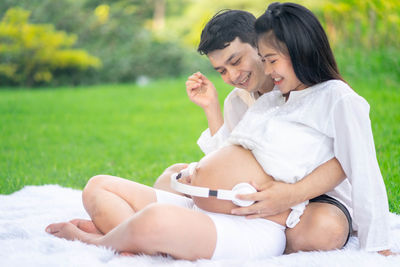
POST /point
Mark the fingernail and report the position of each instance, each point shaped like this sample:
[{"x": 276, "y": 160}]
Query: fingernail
[{"x": 233, "y": 212}]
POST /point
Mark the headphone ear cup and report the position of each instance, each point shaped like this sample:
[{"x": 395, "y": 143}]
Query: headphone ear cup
[{"x": 243, "y": 189}]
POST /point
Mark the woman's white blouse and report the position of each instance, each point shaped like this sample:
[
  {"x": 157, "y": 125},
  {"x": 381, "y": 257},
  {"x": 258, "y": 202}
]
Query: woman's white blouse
[{"x": 290, "y": 139}]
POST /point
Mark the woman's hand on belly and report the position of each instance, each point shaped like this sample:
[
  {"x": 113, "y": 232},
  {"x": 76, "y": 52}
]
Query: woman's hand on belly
[{"x": 272, "y": 198}]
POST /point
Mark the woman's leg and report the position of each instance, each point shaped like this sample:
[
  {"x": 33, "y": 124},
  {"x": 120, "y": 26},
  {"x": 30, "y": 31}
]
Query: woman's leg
[
  {"x": 323, "y": 226},
  {"x": 110, "y": 200},
  {"x": 158, "y": 228},
  {"x": 108, "y": 195}
]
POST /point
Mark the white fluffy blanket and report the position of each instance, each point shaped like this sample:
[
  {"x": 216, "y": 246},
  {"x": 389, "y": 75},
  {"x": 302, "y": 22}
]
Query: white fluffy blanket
[{"x": 23, "y": 241}]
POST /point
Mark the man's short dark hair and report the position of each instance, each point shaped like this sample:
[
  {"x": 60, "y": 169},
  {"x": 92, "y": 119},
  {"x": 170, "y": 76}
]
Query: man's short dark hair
[{"x": 224, "y": 27}]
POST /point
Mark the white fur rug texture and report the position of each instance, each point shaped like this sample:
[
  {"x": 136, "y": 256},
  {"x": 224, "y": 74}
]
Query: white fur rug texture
[{"x": 23, "y": 241}]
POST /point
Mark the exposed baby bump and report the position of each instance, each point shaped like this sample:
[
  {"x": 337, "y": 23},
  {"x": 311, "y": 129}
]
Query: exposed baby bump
[{"x": 223, "y": 169}]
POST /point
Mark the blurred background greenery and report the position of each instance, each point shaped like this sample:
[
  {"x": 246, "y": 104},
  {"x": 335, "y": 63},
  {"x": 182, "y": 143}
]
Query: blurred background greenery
[{"x": 71, "y": 42}]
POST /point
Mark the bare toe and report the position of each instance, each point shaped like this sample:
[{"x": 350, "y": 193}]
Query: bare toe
[
  {"x": 54, "y": 228},
  {"x": 69, "y": 231}
]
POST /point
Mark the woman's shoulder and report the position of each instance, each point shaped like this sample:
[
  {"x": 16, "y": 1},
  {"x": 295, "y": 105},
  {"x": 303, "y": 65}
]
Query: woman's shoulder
[
  {"x": 331, "y": 95},
  {"x": 338, "y": 94},
  {"x": 336, "y": 90},
  {"x": 336, "y": 87}
]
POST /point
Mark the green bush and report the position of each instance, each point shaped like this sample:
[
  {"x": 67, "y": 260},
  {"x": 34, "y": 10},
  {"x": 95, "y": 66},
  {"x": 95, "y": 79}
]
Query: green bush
[{"x": 30, "y": 54}]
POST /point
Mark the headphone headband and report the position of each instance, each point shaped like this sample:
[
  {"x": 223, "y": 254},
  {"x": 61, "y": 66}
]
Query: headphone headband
[{"x": 241, "y": 188}]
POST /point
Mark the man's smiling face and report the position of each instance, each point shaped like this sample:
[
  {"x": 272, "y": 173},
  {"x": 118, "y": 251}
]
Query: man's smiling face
[{"x": 240, "y": 66}]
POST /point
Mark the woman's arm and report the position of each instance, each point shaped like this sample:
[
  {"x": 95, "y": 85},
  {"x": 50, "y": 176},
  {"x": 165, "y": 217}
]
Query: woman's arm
[
  {"x": 322, "y": 180},
  {"x": 354, "y": 147},
  {"x": 275, "y": 197}
]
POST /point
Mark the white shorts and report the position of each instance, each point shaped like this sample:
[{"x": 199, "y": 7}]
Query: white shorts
[{"x": 237, "y": 237}]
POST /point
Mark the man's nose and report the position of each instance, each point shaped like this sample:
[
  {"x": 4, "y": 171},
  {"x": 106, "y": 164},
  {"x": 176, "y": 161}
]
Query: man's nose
[{"x": 234, "y": 75}]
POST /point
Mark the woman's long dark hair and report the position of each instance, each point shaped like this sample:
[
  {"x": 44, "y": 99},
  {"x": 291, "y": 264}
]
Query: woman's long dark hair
[{"x": 295, "y": 30}]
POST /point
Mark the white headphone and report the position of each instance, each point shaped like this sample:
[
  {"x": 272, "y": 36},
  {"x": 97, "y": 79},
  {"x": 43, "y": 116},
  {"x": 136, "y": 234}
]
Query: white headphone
[{"x": 241, "y": 188}]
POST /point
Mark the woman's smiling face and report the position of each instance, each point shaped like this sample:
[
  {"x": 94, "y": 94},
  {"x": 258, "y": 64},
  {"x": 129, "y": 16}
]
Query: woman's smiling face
[{"x": 278, "y": 66}]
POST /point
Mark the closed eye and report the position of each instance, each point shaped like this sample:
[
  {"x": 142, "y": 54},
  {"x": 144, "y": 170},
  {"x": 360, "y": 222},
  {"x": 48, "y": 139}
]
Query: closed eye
[{"x": 236, "y": 62}]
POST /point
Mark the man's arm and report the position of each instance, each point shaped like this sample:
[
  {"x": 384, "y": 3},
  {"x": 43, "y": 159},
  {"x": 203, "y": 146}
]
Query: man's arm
[
  {"x": 202, "y": 92},
  {"x": 214, "y": 118}
]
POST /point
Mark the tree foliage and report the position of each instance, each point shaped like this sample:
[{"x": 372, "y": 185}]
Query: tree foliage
[
  {"x": 118, "y": 32},
  {"x": 367, "y": 23},
  {"x": 31, "y": 53}
]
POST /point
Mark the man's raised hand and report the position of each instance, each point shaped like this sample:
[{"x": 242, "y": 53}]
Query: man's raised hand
[{"x": 201, "y": 91}]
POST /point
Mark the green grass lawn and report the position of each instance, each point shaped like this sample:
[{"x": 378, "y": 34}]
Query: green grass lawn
[{"x": 67, "y": 135}]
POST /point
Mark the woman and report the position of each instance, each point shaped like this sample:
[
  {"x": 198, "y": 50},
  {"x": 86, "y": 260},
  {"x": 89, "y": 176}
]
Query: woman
[{"x": 317, "y": 103}]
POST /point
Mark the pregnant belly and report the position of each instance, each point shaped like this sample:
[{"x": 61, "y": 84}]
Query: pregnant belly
[{"x": 223, "y": 169}]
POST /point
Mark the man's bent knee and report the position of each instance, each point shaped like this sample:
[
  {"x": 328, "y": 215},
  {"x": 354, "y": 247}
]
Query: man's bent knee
[
  {"x": 323, "y": 228},
  {"x": 334, "y": 225},
  {"x": 163, "y": 181},
  {"x": 336, "y": 233},
  {"x": 177, "y": 167}
]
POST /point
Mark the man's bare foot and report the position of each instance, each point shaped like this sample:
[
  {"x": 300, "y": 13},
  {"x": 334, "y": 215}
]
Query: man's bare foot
[
  {"x": 86, "y": 225},
  {"x": 70, "y": 231}
]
